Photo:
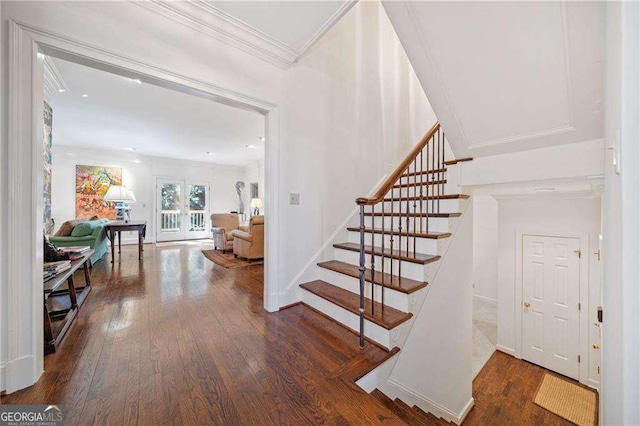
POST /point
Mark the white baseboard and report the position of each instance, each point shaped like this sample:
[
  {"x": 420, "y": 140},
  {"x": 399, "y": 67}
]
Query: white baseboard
[
  {"x": 506, "y": 350},
  {"x": 3, "y": 378},
  {"x": 485, "y": 298},
  {"x": 411, "y": 398},
  {"x": 19, "y": 374},
  {"x": 375, "y": 378},
  {"x": 593, "y": 384}
]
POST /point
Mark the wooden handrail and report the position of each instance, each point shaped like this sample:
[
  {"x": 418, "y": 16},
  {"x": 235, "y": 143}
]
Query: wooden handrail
[{"x": 393, "y": 178}]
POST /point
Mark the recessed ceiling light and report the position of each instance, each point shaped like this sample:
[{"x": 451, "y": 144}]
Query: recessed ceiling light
[
  {"x": 61, "y": 90},
  {"x": 250, "y": 146},
  {"x": 136, "y": 80},
  {"x": 261, "y": 138},
  {"x": 85, "y": 96},
  {"x": 544, "y": 189},
  {"x": 209, "y": 153}
]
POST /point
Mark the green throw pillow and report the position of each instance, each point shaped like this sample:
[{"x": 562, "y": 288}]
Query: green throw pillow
[{"x": 82, "y": 229}]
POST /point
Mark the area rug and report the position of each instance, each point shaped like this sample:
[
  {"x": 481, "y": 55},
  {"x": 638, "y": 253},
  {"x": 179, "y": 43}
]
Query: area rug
[
  {"x": 567, "y": 400},
  {"x": 227, "y": 260}
]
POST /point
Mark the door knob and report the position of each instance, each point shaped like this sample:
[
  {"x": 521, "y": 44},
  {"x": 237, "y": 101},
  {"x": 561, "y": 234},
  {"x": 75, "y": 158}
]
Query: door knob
[
  {"x": 527, "y": 304},
  {"x": 596, "y": 346}
]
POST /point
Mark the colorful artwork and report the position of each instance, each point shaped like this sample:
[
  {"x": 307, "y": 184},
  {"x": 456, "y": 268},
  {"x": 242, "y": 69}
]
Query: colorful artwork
[
  {"x": 92, "y": 183},
  {"x": 47, "y": 143}
]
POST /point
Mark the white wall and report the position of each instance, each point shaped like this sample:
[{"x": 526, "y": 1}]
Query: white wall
[
  {"x": 347, "y": 110},
  {"x": 551, "y": 215},
  {"x": 582, "y": 159},
  {"x": 433, "y": 369},
  {"x": 485, "y": 247},
  {"x": 355, "y": 109},
  {"x": 621, "y": 239},
  {"x": 139, "y": 173}
]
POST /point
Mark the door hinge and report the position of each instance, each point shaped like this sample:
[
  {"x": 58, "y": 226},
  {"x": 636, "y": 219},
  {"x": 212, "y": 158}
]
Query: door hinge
[
  {"x": 579, "y": 306},
  {"x": 578, "y": 359},
  {"x": 579, "y": 253},
  {"x": 598, "y": 370}
]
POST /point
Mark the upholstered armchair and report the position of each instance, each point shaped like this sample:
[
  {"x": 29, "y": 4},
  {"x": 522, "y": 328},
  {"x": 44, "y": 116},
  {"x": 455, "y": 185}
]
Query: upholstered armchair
[
  {"x": 250, "y": 244},
  {"x": 222, "y": 225}
]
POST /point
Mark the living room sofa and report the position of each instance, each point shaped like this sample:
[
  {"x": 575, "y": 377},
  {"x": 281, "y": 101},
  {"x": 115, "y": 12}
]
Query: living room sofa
[{"x": 90, "y": 233}]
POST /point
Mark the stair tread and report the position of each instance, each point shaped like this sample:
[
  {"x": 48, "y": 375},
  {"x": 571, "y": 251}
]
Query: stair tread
[
  {"x": 401, "y": 284},
  {"x": 419, "y": 258},
  {"x": 404, "y": 214},
  {"x": 429, "y": 418},
  {"x": 424, "y": 183},
  {"x": 430, "y": 235},
  {"x": 388, "y": 318},
  {"x": 425, "y": 172},
  {"x": 429, "y": 197},
  {"x": 417, "y": 418},
  {"x": 392, "y": 406}
]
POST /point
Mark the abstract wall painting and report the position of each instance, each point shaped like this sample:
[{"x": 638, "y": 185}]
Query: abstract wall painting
[{"x": 92, "y": 183}]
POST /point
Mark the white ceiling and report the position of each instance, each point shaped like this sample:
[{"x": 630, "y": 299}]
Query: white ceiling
[
  {"x": 120, "y": 114},
  {"x": 279, "y": 32},
  {"x": 507, "y": 76},
  {"x": 292, "y": 23}
]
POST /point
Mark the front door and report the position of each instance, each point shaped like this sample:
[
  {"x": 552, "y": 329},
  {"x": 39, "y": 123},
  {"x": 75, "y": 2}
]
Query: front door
[
  {"x": 551, "y": 296},
  {"x": 182, "y": 209}
]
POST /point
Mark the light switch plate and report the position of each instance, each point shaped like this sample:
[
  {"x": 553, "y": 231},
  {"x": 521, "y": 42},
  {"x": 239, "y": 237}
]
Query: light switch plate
[{"x": 294, "y": 198}]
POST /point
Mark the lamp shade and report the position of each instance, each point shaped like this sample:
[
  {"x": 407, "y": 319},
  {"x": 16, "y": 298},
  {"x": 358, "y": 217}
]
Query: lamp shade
[
  {"x": 256, "y": 203},
  {"x": 119, "y": 193}
]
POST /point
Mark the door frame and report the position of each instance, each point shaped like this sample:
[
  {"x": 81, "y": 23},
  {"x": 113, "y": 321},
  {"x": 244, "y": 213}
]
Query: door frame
[
  {"x": 22, "y": 155},
  {"x": 583, "y": 296}
]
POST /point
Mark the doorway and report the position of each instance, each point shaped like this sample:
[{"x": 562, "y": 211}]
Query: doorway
[
  {"x": 24, "y": 176},
  {"x": 182, "y": 210},
  {"x": 551, "y": 303}
]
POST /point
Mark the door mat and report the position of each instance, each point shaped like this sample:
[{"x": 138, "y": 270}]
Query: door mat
[
  {"x": 227, "y": 260},
  {"x": 567, "y": 400}
]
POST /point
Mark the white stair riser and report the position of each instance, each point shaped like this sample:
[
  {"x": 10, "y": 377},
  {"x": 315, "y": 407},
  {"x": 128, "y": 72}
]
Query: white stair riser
[
  {"x": 414, "y": 191},
  {"x": 395, "y": 299},
  {"x": 350, "y": 320},
  {"x": 414, "y": 271},
  {"x": 446, "y": 206},
  {"x": 436, "y": 224},
  {"x": 422, "y": 245}
]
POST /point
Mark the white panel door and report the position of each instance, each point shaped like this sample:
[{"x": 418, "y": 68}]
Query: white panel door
[{"x": 550, "y": 298}]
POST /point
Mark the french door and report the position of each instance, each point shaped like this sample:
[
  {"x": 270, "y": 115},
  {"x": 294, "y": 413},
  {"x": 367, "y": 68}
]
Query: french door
[
  {"x": 182, "y": 208},
  {"x": 551, "y": 287}
]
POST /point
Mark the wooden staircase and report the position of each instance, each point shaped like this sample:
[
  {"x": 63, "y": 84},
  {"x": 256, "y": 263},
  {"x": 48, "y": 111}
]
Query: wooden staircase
[
  {"x": 410, "y": 415},
  {"x": 372, "y": 283}
]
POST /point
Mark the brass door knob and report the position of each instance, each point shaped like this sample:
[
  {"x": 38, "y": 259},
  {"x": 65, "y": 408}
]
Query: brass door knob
[
  {"x": 527, "y": 304},
  {"x": 596, "y": 346}
]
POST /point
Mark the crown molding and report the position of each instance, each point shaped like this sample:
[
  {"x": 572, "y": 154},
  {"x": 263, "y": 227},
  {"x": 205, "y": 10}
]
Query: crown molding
[
  {"x": 53, "y": 81},
  {"x": 212, "y": 22}
]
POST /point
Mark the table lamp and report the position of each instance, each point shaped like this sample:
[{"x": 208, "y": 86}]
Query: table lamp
[
  {"x": 256, "y": 204},
  {"x": 121, "y": 195}
]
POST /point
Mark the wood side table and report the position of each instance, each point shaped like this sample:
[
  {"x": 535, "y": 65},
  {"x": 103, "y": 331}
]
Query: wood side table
[
  {"x": 62, "y": 304},
  {"x": 119, "y": 226}
]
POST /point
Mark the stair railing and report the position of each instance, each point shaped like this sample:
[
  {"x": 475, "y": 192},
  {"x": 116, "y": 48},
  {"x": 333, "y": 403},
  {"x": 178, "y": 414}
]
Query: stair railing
[{"x": 429, "y": 153}]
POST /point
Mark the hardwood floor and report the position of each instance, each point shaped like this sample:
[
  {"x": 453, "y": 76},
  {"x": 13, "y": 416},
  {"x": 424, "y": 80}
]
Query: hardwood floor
[
  {"x": 176, "y": 339},
  {"x": 504, "y": 391}
]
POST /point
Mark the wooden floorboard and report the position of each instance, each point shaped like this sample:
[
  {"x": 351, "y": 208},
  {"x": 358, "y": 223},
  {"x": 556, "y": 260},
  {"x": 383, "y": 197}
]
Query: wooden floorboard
[
  {"x": 176, "y": 339},
  {"x": 504, "y": 390}
]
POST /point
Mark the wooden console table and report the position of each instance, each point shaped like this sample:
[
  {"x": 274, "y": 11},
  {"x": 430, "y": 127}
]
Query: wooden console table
[
  {"x": 119, "y": 226},
  {"x": 61, "y": 305}
]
